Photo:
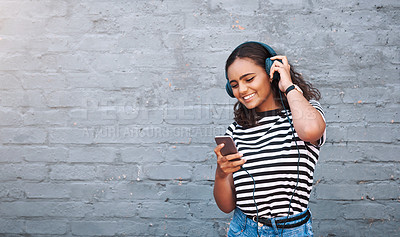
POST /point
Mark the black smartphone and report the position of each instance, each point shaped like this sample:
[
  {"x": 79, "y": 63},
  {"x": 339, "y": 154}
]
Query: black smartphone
[{"x": 229, "y": 148}]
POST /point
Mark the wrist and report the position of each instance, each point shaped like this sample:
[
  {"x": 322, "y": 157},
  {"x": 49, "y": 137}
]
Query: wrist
[
  {"x": 292, "y": 88},
  {"x": 219, "y": 174},
  {"x": 285, "y": 86}
]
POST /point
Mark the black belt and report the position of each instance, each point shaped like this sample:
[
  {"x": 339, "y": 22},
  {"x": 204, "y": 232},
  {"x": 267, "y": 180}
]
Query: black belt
[{"x": 281, "y": 223}]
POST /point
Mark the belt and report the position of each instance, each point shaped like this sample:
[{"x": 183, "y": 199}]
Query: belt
[{"x": 281, "y": 222}]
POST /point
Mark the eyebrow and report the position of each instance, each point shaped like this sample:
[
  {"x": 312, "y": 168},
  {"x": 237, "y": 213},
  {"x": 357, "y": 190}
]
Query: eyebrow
[{"x": 244, "y": 75}]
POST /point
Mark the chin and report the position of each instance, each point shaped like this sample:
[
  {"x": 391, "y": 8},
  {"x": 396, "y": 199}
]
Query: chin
[{"x": 249, "y": 106}]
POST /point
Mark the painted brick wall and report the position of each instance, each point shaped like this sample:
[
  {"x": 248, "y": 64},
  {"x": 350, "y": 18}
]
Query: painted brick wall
[{"x": 108, "y": 111}]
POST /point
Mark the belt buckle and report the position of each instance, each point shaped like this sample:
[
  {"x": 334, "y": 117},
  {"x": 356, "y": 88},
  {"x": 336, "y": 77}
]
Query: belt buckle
[{"x": 258, "y": 223}]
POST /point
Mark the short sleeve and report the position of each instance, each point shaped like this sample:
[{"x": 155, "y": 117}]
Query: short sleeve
[
  {"x": 318, "y": 107},
  {"x": 230, "y": 129}
]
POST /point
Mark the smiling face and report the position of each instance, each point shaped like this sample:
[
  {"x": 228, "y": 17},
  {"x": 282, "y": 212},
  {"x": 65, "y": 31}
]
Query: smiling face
[{"x": 251, "y": 85}]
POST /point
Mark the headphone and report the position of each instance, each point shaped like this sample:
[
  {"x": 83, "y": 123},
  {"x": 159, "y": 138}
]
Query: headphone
[{"x": 268, "y": 65}]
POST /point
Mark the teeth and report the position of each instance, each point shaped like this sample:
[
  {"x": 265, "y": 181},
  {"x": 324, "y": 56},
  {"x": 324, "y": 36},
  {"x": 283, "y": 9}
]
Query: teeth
[{"x": 249, "y": 96}]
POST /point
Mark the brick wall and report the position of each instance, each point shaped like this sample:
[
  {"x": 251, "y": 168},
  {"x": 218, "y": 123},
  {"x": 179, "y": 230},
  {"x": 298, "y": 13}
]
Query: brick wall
[{"x": 108, "y": 111}]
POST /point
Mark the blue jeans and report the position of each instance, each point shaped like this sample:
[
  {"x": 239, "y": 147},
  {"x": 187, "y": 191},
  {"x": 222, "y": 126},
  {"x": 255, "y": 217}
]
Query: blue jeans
[{"x": 243, "y": 226}]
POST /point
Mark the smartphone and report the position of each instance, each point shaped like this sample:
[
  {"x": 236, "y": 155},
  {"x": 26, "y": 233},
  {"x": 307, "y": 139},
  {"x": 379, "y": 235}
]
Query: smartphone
[{"x": 229, "y": 148}]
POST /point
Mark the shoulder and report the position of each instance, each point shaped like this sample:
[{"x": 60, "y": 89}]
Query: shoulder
[
  {"x": 231, "y": 129},
  {"x": 317, "y": 106}
]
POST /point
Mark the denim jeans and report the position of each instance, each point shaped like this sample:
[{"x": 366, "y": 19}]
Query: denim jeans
[{"x": 243, "y": 226}]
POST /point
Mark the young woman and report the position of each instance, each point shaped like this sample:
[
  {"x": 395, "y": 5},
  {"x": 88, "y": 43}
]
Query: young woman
[{"x": 278, "y": 130}]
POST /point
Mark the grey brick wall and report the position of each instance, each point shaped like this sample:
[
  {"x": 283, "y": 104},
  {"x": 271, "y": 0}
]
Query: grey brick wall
[{"x": 108, "y": 111}]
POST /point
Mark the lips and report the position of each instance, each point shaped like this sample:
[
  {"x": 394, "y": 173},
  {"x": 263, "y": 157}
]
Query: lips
[{"x": 248, "y": 97}]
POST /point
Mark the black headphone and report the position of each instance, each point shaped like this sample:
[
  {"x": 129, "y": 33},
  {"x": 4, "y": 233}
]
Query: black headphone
[{"x": 268, "y": 65}]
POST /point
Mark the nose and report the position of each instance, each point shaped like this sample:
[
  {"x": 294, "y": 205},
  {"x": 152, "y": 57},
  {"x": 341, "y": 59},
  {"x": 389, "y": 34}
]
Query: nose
[{"x": 242, "y": 88}]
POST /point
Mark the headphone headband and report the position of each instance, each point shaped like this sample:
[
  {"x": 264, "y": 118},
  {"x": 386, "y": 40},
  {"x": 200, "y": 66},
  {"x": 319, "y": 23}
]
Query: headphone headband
[{"x": 268, "y": 64}]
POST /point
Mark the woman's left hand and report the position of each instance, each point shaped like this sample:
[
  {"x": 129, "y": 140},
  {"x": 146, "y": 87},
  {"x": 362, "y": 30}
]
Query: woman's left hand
[{"x": 283, "y": 68}]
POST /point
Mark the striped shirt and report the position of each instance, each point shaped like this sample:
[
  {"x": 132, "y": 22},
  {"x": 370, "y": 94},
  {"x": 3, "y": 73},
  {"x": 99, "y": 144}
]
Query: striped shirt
[{"x": 272, "y": 159}]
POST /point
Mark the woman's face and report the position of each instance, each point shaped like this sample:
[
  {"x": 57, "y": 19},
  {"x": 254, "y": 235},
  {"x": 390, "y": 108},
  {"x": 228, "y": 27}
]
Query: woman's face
[{"x": 251, "y": 85}]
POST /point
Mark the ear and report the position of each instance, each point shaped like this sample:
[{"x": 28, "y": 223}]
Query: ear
[{"x": 269, "y": 79}]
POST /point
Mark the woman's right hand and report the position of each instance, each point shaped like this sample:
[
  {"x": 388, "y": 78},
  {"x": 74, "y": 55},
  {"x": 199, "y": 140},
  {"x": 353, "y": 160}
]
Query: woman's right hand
[{"x": 227, "y": 164}]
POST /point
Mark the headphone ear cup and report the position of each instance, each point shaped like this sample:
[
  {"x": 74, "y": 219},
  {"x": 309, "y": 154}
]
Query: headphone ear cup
[
  {"x": 268, "y": 65},
  {"x": 229, "y": 90}
]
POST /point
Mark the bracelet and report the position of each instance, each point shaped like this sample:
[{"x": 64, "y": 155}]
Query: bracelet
[
  {"x": 289, "y": 89},
  {"x": 293, "y": 87}
]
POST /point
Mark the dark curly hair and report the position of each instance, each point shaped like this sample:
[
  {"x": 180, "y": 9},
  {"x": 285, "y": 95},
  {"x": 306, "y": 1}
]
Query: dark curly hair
[{"x": 256, "y": 52}]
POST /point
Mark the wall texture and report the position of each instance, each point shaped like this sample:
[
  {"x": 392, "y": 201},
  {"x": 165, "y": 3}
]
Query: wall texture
[{"x": 108, "y": 111}]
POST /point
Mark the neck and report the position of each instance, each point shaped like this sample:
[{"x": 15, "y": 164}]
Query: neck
[{"x": 271, "y": 106}]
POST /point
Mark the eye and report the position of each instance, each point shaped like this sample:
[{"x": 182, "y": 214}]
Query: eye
[
  {"x": 234, "y": 85},
  {"x": 250, "y": 79}
]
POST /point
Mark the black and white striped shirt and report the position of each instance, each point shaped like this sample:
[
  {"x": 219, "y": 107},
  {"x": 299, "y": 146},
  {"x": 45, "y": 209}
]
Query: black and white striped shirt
[{"x": 272, "y": 160}]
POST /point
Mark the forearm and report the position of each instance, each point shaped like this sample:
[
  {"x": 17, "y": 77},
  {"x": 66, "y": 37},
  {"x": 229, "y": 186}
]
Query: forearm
[
  {"x": 307, "y": 121},
  {"x": 224, "y": 193}
]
